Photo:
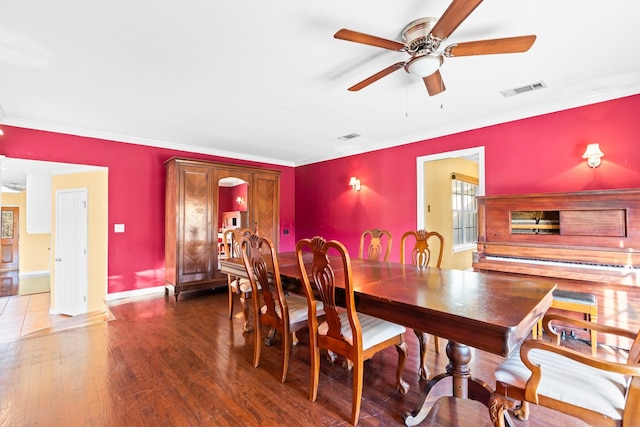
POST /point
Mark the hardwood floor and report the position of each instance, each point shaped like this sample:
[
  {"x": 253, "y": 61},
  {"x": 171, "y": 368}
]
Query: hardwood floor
[{"x": 161, "y": 362}]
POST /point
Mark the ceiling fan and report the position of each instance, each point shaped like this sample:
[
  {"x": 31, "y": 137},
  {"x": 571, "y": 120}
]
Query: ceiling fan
[{"x": 422, "y": 38}]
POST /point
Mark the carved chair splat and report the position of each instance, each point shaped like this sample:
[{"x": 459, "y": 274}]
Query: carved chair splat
[{"x": 422, "y": 256}]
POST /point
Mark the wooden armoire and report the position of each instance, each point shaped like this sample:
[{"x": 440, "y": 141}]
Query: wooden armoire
[{"x": 191, "y": 218}]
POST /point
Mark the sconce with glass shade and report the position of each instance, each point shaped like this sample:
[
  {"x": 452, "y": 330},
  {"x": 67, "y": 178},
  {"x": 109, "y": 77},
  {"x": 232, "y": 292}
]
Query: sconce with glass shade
[
  {"x": 593, "y": 155},
  {"x": 354, "y": 183}
]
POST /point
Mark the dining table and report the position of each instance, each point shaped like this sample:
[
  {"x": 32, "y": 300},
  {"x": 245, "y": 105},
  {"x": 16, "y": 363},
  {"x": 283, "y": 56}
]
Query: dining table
[{"x": 487, "y": 311}]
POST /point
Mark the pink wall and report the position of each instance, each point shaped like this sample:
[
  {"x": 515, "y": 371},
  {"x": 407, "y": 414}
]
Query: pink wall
[
  {"x": 539, "y": 154},
  {"x": 136, "y": 196}
]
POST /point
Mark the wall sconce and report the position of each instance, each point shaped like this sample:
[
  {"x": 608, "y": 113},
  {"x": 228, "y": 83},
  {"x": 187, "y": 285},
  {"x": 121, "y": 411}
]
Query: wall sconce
[
  {"x": 593, "y": 155},
  {"x": 354, "y": 183},
  {"x": 239, "y": 200}
]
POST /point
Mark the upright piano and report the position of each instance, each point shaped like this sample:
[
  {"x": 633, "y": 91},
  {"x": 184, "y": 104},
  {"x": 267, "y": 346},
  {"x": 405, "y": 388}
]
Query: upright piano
[{"x": 588, "y": 241}]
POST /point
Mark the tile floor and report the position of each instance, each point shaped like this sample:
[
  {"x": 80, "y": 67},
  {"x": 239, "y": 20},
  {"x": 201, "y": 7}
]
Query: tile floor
[{"x": 21, "y": 315}]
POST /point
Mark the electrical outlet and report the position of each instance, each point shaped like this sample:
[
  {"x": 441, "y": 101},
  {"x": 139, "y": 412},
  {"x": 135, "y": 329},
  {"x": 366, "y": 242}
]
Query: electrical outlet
[{"x": 118, "y": 228}]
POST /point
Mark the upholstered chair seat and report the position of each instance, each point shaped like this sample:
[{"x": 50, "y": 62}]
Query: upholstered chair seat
[
  {"x": 374, "y": 330},
  {"x": 298, "y": 309},
  {"x": 569, "y": 381},
  {"x": 600, "y": 392}
]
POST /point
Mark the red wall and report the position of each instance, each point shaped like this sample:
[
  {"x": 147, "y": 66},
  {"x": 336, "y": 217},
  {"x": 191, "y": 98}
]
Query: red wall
[
  {"x": 136, "y": 196},
  {"x": 539, "y": 154}
]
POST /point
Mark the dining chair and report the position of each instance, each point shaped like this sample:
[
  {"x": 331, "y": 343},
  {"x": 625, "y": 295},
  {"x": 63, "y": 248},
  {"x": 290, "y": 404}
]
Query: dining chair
[
  {"x": 600, "y": 392},
  {"x": 376, "y": 246},
  {"x": 272, "y": 306},
  {"x": 423, "y": 256},
  {"x": 355, "y": 336},
  {"x": 237, "y": 285}
]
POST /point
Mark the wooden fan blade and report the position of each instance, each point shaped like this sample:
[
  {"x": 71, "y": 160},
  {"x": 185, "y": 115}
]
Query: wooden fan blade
[
  {"x": 434, "y": 83},
  {"x": 457, "y": 12},
  {"x": 492, "y": 46},
  {"x": 377, "y": 76},
  {"x": 354, "y": 36}
]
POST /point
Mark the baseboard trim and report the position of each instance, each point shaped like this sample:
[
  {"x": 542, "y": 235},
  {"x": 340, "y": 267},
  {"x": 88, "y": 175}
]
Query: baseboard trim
[
  {"x": 135, "y": 293},
  {"x": 34, "y": 273}
]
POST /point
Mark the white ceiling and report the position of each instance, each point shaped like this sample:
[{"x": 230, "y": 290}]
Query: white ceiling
[{"x": 266, "y": 80}]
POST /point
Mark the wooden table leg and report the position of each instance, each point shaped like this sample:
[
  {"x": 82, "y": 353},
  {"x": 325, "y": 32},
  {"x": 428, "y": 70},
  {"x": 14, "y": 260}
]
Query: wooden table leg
[{"x": 464, "y": 386}]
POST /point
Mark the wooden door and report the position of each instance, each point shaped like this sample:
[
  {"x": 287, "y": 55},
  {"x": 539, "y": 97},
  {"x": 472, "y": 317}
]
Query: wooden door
[
  {"x": 265, "y": 206},
  {"x": 9, "y": 241}
]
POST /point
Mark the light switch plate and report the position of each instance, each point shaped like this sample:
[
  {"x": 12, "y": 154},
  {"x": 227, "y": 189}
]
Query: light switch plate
[{"x": 118, "y": 228}]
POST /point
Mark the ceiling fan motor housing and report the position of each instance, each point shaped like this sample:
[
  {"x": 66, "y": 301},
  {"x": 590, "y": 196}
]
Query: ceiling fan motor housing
[{"x": 417, "y": 39}]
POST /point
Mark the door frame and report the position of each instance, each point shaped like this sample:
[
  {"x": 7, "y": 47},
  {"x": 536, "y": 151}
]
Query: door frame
[{"x": 474, "y": 153}]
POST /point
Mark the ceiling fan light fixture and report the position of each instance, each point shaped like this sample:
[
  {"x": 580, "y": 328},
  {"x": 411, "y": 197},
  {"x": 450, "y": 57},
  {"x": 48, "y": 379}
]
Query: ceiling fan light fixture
[{"x": 424, "y": 65}]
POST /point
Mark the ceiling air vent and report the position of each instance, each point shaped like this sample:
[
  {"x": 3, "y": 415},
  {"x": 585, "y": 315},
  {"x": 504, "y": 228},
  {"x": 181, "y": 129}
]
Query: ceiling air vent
[
  {"x": 348, "y": 137},
  {"x": 523, "y": 89}
]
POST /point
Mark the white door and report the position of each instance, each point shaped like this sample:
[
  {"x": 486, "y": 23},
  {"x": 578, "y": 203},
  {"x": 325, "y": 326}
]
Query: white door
[{"x": 71, "y": 281}]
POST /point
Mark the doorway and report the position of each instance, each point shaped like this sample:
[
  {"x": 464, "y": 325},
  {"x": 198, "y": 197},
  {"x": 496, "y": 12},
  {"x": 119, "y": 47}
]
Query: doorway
[
  {"x": 435, "y": 174},
  {"x": 36, "y": 250}
]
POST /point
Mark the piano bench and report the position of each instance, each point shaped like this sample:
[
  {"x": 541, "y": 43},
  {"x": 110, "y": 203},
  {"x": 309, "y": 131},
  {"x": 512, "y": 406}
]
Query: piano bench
[{"x": 578, "y": 302}]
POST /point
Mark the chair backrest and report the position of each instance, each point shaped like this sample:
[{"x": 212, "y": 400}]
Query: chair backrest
[
  {"x": 377, "y": 239},
  {"x": 232, "y": 238},
  {"x": 320, "y": 277},
  {"x": 421, "y": 255},
  {"x": 261, "y": 263}
]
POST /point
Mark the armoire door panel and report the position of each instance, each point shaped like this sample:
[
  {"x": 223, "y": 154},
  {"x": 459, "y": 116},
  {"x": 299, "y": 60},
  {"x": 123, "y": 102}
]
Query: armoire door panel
[{"x": 196, "y": 224}]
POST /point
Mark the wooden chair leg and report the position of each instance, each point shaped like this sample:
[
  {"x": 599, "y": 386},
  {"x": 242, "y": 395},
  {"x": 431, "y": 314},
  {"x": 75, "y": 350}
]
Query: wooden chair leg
[
  {"x": 270, "y": 339},
  {"x": 315, "y": 370},
  {"x": 423, "y": 339},
  {"x": 286, "y": 351},
  {"x": 230, "y": 297},
  {"x": 245, "y": 313},
  {"x": 358, "y": 368},
  {"x": 593, "y": 317},
  {"x": 522, "y": 413},
  {"x": 436, "y": 343},
  {"x": 257, "y": 346},
  {"x": 401, "y": 384}
]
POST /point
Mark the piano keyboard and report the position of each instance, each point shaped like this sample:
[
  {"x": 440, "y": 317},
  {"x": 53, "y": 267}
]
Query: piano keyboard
[{"x": 590, "y": 266}]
